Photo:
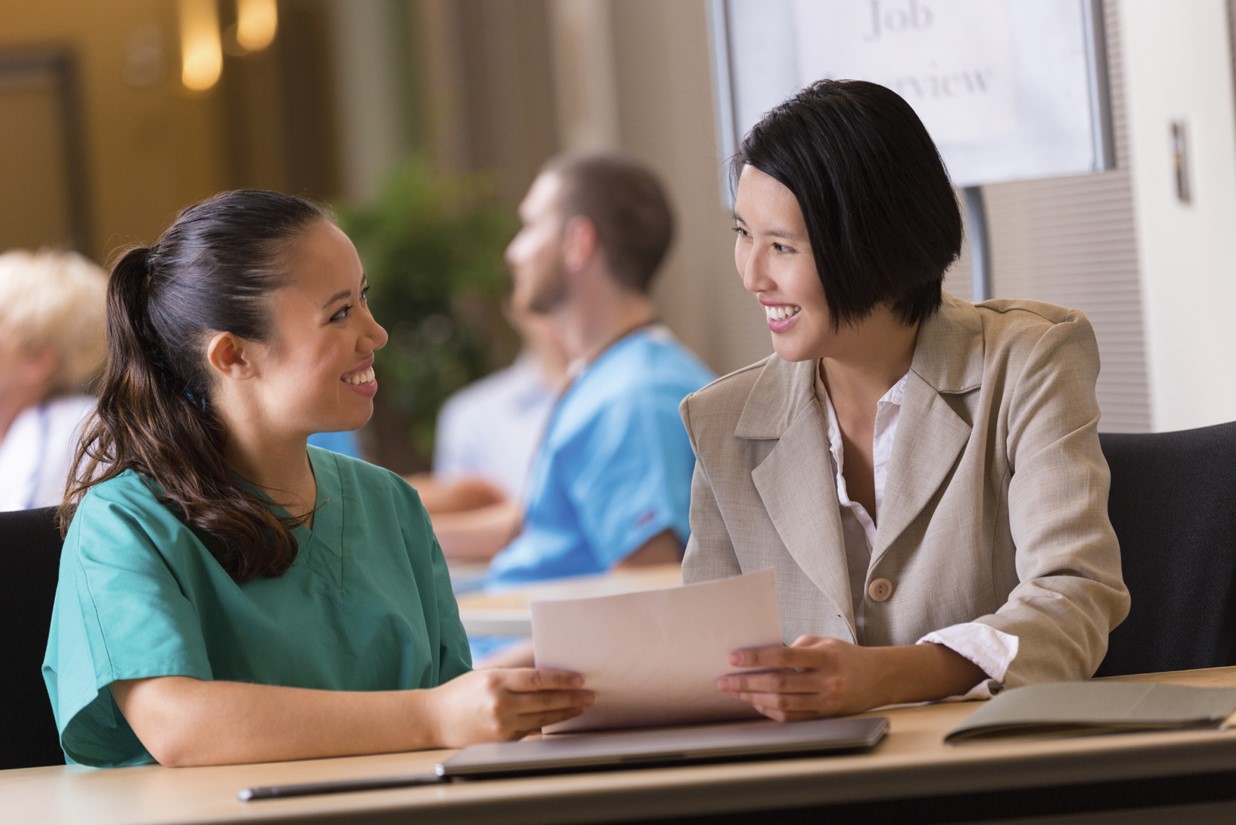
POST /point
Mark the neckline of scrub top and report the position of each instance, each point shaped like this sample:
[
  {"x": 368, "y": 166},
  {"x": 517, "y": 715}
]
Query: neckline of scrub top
[
  {"x": 321, "y": 546},
  {"x": 324, "y": 541}
]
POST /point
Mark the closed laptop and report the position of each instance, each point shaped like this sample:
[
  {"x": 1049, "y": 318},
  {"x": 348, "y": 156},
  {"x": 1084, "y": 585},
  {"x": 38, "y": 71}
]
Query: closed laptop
[{"x": 649, "y": 747}]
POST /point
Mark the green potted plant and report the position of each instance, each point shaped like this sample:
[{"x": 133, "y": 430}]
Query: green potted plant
[{"x": 431, "y": 245}]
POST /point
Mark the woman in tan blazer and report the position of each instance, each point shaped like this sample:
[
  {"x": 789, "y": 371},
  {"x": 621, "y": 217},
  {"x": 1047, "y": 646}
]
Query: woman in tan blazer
[{"x": 922, "y": 473}]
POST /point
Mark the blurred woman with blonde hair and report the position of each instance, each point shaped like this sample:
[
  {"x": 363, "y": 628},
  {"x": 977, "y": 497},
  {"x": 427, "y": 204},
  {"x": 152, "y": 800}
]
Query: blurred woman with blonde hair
[{"x": 52, "y": 344}]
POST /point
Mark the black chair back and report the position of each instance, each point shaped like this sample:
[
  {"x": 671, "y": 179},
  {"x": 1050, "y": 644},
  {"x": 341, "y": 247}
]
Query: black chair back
[
  {"x": 30, "y": 559},
  {"x": 1173, "y": 506}
]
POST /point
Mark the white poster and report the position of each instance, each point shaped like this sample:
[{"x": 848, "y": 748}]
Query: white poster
[
  {"x": 927, "y": 51},
  {"x": 1008, "y": 89}
]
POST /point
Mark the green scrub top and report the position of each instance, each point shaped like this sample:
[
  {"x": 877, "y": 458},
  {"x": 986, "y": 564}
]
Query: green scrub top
[{"x": 367, "y": 604}]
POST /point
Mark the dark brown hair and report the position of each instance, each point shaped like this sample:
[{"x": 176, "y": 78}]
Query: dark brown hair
[
  {"x": 211, "y": 271},
  {"x": 880, "y": 212},
  {"x": 626, "y": 203}
]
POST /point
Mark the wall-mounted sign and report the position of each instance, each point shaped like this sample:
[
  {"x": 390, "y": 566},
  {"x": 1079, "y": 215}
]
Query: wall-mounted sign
[{"x": 1009, "y": 90}]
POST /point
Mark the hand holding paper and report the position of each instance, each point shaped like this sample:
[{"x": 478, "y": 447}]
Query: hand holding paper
[{"x": 654, "y": 657}]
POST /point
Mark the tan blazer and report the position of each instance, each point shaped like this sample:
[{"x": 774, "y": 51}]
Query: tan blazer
[{"x": 995, "y": 504}]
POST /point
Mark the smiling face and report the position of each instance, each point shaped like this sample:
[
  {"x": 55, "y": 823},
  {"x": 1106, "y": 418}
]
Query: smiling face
[
  {"x": 316, "y": 372},
  {"x": 773, "y": 256},
  {"x": 534, "y": 255}
]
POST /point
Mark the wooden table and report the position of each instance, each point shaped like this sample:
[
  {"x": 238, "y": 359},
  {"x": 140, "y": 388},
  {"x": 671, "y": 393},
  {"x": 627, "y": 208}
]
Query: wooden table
[
  {"x": 507, "y": 613},
  {"x": 911, "y": 777}
]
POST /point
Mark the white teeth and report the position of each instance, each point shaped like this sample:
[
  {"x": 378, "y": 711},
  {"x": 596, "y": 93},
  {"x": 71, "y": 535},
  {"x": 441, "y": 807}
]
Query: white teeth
[
  {"x": 780, "y": 313},
  {"x": 363, "y": 377}
]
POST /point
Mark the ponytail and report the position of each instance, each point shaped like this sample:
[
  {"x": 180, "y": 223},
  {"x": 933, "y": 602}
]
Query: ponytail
[
  {"x": 130, "y": 340},
  {"x": 154, "y": 415}
]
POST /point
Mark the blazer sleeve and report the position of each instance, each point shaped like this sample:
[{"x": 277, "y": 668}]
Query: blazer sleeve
[
  {"x": 1070, "y": 593},
  {"x": 710, "y": 552}
]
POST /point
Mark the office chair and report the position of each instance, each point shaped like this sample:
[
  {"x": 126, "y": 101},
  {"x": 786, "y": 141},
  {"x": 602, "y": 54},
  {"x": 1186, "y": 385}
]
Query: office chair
[
  {"x": 29, "y": 566},
  {"x": 1173, "y": 506}
]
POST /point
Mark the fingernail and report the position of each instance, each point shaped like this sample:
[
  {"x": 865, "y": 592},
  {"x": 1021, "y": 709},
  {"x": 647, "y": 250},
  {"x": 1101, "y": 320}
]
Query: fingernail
[
  {"x": 738, "y": 658},
  {"x": 577, "y": 681},
  {"x": 725, "y": 684},
  {"x": 590, "y": 698}
]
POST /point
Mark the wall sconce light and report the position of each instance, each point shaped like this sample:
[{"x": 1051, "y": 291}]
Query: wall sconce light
[
  {"x": 257, "y": 21},
  {"x": 201, "y": 40},
  {"x": 201, "y": 47}
]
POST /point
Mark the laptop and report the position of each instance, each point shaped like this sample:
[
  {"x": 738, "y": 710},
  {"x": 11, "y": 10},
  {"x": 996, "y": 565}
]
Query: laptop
[
  {"x": 608, "y": 750},
  {"x": 648, "y": 747}
]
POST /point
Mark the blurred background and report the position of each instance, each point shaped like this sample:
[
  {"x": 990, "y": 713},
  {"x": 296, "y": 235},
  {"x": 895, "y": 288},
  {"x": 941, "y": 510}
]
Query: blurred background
[{"x": 423, "y": 122}]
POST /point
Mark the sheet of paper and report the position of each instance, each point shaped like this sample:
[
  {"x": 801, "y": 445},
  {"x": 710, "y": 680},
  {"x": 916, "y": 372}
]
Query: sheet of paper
[{"x": 654, "y": 657}]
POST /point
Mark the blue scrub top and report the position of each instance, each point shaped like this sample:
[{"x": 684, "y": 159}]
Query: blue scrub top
[
  {"x": 367, "y": 604},
  {"x": 344, "y": 442},
  {"x": 614, "y": 468}
]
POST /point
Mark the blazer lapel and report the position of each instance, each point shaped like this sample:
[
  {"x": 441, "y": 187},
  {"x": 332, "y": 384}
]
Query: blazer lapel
[
  {"x": 930, "y": 437},
  {"x": 795, "y": 480},
  {"x": 948, "y": 359}
]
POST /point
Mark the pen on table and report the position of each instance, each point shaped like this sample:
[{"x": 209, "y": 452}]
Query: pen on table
[{"x": 338, "y": 786}]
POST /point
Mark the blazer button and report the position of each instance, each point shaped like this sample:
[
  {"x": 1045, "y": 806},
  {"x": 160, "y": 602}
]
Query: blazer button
[{"x": 880, "y": 590}]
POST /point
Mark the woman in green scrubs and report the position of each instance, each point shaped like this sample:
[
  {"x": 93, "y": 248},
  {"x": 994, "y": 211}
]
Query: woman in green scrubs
[{"x": 227, "y": 593}]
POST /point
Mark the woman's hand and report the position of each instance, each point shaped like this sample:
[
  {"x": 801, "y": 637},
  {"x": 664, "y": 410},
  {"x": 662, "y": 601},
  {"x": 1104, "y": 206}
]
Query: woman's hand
[
  {"x": 499, "y": 704},
  {"x": 815, "y": 676},
  {"x": 819, "y": 676},
  {"x": 183, "y": 721}
]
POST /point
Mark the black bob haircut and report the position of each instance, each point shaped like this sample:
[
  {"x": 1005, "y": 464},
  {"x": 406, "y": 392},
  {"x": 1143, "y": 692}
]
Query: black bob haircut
[{"x": 881, "y": 215}]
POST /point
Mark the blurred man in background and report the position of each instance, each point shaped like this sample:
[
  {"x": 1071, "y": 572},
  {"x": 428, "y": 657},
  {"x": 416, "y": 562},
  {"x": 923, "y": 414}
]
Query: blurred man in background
[{"x": 611, "y": 478}]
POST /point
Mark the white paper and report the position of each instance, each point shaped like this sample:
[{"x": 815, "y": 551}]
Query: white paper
[{"x": 654, "y": 657}]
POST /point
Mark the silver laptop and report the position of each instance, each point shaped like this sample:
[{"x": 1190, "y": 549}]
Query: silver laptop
[{"x": 649, "y": 747}]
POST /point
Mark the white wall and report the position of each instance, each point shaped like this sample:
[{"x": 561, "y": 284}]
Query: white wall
[{"x": 1179, "y": 67}]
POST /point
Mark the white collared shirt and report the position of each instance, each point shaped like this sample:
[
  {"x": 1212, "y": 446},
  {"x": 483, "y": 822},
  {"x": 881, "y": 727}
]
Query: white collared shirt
[
  {"x": 492, "y": 427},
  {"x": 992, "y": 650}
]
